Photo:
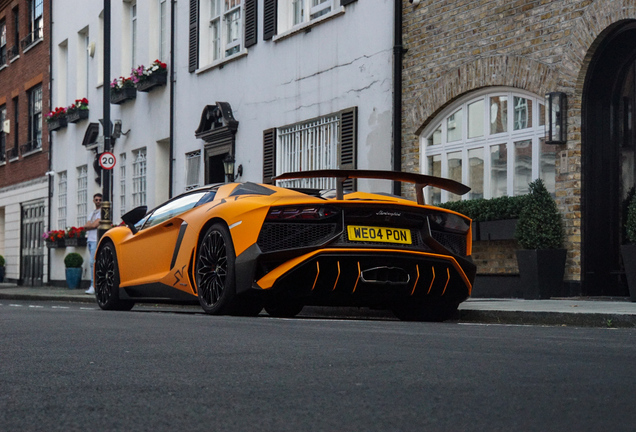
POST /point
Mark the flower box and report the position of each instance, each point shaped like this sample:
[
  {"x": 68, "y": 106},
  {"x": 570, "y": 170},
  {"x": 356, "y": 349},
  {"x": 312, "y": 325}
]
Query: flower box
[
  {"x": 152, "y": 81},
  {"x": 58, "y": 124},
  {"x": 122, "y": 95},
  {"x": 76, "y": 116},
  {"x": 60, "y": 243},
  {"x": 80, "y": 242}
]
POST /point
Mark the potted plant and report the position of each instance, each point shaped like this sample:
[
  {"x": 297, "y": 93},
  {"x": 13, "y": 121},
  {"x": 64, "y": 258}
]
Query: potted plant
[
  {"x": 73, "y": 262},
  {"x": 149, "y": 78},
  {"x": 77, "y": 111},
  {"x": 629, "y": 250},
  {"x": 2, "y": 268},
  {"x": 540, "y": 233},
  {"x": 75, "y": 236},
  {"x": 54, "y": 238},
  {"x": 121, "y": 90},
  {"x": 56, "y": 119}
]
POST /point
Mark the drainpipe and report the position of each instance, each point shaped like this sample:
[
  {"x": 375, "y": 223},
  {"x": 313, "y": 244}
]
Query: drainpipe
[
  {"x": 398, "y": 53},
  {"x": 173, "y": 4},
  {"x": 50, "y": 177}
]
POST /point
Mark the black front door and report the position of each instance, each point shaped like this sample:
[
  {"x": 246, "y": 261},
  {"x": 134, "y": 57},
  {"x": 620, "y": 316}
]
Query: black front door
[{"x": 608, "y": 136}]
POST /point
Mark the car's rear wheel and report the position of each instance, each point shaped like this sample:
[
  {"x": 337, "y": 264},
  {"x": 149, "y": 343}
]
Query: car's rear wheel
[
  {"x": 107, "y": 280},
  {"x": 283, "y": 307},
  {"x": 428, "y": 311},
  {"x": 214, "y": 270}
]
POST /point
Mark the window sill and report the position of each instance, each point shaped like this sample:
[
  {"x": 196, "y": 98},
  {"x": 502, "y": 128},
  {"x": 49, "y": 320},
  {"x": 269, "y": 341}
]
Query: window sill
[
  {"x": 4, "y": 66},
  {"x": 14, "y": 159},
  {"x": 35, "y": 43},
  {"x": 32, "y": 152},
  {"x": 2, "y": 163},
  {"x": 14, "y": 59},
  {"x": 221, "y": 63},
  {"x": 301, "y": 28}
]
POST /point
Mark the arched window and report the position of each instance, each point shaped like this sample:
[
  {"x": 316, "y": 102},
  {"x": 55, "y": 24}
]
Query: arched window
[{"x": 491, "y": 140}]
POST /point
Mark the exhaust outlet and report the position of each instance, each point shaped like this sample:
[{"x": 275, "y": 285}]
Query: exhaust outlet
[{"x": 385, "y": 275}]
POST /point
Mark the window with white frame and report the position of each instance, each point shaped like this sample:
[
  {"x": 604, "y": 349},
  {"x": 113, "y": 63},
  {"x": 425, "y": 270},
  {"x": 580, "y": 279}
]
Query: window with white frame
[
  {"x": 492, "y": 141},
  {"x": 82, "y": 62},
  {"x": 82, "y": 195},
  {"x": 292, "y": 13},
  {"x": 61, "y": 200},
  {"x": 3, "y": 42},
  {"x": 36, "y": 11},
  {"x": 193, "y": 165},
  {"x": 35, "y": 118},
  {"x": 122, "y": 184},
  {"x": 222, "y": 26},
  {"x": 3, "y": 144},
  {"x": 164, "y": 33},
  {"x": 139, "y": 177},
  {"x": 308, "y": 146},
  {"x": 133, "y": 33}
]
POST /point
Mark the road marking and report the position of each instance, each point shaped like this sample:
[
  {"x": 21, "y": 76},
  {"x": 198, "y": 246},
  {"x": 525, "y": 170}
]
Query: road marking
[
  {"x": 34, "y": 306},
  {"x": 15, "y": 305},
  {"x": 84, "y": 308},
  {"x": 60, "y": 307}
]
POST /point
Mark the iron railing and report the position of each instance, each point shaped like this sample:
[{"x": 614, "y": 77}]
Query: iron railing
[
  {"x": 13, "y": 52},
  {"x": 30, "y": 146}
]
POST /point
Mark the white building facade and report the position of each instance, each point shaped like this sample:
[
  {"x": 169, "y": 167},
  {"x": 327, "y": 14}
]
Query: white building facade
[{"x": 279, "y": 86}]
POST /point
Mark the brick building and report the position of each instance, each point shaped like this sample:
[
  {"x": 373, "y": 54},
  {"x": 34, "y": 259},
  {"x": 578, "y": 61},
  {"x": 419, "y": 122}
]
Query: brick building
[
  {"x": 24, "y": 144},
  {"x": 475, "y": 77}
]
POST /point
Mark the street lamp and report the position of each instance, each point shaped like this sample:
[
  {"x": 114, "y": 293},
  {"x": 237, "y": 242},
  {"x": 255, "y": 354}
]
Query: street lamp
[{"x": 228, "y": 167}]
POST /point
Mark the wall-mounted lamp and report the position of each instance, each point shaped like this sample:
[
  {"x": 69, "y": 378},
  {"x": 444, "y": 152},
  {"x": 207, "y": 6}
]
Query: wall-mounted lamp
[
  {"x": 555, "y": 118},
  {"x": 414, "y": 2},
  {"x": 117, "y": 130},
  {"x": 228, "y": 167}
]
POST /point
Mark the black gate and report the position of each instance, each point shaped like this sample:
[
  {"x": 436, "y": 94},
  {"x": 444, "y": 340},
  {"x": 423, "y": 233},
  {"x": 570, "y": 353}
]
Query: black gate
[{"x": 32, "y": 244}]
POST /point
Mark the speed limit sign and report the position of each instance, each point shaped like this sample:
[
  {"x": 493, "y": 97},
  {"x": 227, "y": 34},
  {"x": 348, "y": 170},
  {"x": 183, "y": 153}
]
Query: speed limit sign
[{"x": 107, "y": 160}]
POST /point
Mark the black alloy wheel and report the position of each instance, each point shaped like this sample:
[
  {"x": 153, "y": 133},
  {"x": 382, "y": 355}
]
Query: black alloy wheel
[
  {"x": 107, "y": 280},
  {"x": 214, "y": 270}
]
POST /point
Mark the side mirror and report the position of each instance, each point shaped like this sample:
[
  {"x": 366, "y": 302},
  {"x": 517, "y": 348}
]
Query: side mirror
[{"x": 134, "y": 216}]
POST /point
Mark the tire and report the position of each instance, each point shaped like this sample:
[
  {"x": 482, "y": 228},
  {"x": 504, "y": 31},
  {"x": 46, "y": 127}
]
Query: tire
[
  {"x": 284, "y": 308},
  {"x": 107, "y": 280},
  {"x": 214, "y": 271},
  {"x": 430, "y": 311}
]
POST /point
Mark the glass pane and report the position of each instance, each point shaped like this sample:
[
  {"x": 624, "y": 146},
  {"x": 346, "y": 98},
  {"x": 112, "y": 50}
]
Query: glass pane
[
  {"x": 454, "y": 126},
  {"x": 547, "y": 165},
  {"x": 299, "y": 11},
  {"x": 436, "y": 138},
  {"x": 454, "y": 171},
  {"x": 541, "y": 114},
  {"x": 523, "y": 113},
  {"x": 498, "y": 114},
  {"x": 476, "y": 119},
  {"x": 435, "y": 169},
  {"x": 498, "y": 170},
  {"x": 476, "y": 173},
  {"x": 523, "y": 167}
]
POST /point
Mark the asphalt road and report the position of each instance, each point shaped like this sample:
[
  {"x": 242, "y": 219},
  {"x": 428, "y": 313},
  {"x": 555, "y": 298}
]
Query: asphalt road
[{"x": 73, "y": 367}]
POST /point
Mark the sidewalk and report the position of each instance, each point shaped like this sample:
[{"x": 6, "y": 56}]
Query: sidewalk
[{"x": 581, "y": 311}]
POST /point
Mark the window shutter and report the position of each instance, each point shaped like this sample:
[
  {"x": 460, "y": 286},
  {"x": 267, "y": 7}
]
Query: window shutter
[
  {"x": 251, "y": 23},
  {"x": 348, "y": 143},
  {"x": 346, "y": 2},
  {"x": 269, "y": 155},
  {"x": 193, "y": 52},
  {"x": 270, "y": 18}
]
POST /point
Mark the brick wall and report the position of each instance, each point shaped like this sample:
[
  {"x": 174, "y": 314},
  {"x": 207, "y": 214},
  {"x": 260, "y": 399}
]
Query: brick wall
[
  {"x": 455, "y": 47},
  {"x": 30, "y": 69}
]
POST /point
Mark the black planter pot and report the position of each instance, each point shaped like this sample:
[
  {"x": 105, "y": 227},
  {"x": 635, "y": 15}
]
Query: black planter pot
[
  {"x": 541, "y": 272},
  {"x": 629, "y": 261},
  {"x": 75, "y": 242},
  {"x": 77, "y": 116},
  {"x": 120, "y": 96},
  {"x": 55, "y": 244},
  {"x": 153, "y": 81},
  {"x": 58, "y": 124}
]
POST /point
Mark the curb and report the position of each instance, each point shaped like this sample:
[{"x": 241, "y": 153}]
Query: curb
[
  {"x": 602, "y": 320},
  {"x": 45, "y": 297}
]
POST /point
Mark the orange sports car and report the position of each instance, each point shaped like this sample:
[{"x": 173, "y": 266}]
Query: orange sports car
[{"x": 239, "y": 247}]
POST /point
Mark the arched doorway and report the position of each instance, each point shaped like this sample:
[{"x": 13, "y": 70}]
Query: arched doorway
[{"x": 608, "y": 126}]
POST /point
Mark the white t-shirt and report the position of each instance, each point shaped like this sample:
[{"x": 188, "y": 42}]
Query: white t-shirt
[{"x": 91, "y": 235}]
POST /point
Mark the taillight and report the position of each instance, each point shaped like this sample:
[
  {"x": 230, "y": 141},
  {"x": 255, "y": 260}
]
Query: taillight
[
  {"x": 301, "y": 213},
  {"x": 449, "y": 222}
]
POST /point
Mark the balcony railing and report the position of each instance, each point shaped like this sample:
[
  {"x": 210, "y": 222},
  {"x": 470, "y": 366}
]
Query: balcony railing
[
  {"x": 12, "y": 153},
  {"x": 13, "y": 52},
  {"x": 30, "y": 146},
  {"x": 32, "y": 38}
]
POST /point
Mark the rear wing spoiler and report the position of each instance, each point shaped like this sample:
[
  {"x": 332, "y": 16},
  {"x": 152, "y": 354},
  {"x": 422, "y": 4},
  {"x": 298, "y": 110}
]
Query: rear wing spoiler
[{"x": 419, "y": 180}]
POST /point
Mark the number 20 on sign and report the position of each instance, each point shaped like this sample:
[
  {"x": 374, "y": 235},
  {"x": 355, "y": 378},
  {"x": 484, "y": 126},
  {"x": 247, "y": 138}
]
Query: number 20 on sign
[{"x": 107, "y": 160}]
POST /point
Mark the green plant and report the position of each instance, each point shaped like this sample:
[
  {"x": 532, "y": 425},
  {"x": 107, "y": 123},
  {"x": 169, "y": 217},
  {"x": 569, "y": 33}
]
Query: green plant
[
  {"x": 630, "y": 223},
  {"x": 539, "y": 225},
  {"x": 73, "y": 260},
  {"x": 2, "y": 261},
  {"x": 481, "y": 210}
]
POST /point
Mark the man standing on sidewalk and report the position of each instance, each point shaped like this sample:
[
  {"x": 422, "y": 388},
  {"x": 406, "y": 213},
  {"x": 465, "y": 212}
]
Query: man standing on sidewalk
[{"x": 91, "y": 236}]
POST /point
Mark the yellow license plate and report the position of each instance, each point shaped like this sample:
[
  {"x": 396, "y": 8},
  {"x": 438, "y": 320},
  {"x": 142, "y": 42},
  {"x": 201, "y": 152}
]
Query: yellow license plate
[{"x": 379, "y": 234}]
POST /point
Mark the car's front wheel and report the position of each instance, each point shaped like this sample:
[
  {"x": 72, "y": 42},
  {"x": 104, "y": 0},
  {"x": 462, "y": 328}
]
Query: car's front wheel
[
  {"x": 107, "y": 280},
  {"x": 214, "y": 270}
]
